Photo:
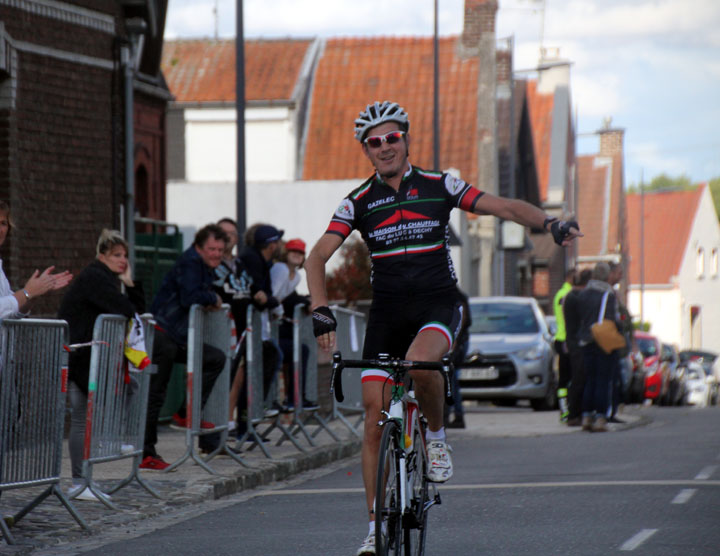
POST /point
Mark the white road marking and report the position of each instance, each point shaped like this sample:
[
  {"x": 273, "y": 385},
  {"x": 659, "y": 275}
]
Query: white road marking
[
  {"x": 706, "y": 473},
  {"x": 442, "y": 487},
  {"x": 633, "y": 542},
  {"x": 684, "y": 495}
]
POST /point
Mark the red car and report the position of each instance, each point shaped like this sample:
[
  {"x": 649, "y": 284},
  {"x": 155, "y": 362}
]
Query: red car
[{"x": 656, "y": 370}]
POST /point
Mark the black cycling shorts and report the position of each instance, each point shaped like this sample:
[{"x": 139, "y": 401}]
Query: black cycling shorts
[{"x": 393, "y": 324}]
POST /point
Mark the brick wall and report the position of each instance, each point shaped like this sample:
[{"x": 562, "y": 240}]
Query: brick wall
[{"x": 60, "y": 146}]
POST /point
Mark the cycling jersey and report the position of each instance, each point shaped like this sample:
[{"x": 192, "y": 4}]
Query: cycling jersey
[{"x": 406, "y": 231}]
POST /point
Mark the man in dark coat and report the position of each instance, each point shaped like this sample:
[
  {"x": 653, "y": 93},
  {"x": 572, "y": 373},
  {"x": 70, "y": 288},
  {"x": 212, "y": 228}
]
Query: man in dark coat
[{"x": 189, "y": 282}]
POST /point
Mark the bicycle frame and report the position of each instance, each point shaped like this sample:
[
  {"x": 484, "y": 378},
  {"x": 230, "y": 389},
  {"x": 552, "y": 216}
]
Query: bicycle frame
[{"x": 405, "y": 410}]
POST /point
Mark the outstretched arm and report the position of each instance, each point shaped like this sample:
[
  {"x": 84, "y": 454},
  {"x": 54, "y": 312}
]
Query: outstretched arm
[{"x": 520, "y": 212}]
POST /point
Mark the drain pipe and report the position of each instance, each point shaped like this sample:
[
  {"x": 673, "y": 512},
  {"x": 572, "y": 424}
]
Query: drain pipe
[{"x": 130, "y": 56}]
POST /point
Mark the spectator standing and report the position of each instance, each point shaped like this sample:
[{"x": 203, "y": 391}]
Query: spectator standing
[
  {"x": 188, "y": 282},
  {"x": 13, "y": 303},
  {"x": 598, "y": 364},
  {"x": 232, "y": 284},
  {"x": 571, "y": 313},
  {"x": 619, "y": 378},
  {"x": 262, "y": 243},
  {"x": 285, "y": 277},
  {"x": 560, "y": 346},
  {"x": 95, "y": 291}
]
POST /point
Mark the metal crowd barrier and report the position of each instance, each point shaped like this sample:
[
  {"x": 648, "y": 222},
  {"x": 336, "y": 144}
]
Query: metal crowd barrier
[
  {"x": 213, "y": 328},
  {"x": 255, "y": 398},
  {"x": 301, "y": 418},
  {"x": 33, "y": 380},
  {"x": 117, "y": 404},
  {"x": 350, "y": 334}
]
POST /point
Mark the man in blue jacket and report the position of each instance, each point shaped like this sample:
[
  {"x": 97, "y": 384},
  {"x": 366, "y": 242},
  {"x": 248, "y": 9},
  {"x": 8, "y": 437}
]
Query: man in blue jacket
[{"x": 189, "y": 282}]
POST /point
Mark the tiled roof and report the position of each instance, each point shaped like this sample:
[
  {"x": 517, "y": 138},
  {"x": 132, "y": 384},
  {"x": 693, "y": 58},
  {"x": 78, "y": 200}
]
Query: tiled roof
[
  {"x": 355, "y": 71},
  {"x": 541, "y": 108},
  {"x": 203, "y": 70},
  {"x": 668, "y": 218},
  {"x": 600, "y": 204}
]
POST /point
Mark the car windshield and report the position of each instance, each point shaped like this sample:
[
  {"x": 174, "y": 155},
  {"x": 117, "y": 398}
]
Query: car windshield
[
  {"x": 647, "y": 346},
  {"x": 503, "y": 318}
]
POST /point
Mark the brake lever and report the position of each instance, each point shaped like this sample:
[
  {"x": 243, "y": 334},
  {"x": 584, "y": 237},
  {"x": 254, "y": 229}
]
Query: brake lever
[{"x": 336, "y": 377}]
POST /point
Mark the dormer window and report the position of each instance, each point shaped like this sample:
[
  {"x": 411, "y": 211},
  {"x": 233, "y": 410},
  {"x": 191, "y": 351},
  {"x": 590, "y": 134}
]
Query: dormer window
[{"x": 700, "y": 262}]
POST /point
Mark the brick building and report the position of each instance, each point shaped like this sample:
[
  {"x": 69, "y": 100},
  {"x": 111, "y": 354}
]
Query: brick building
[{"x": 62, "y": 127}]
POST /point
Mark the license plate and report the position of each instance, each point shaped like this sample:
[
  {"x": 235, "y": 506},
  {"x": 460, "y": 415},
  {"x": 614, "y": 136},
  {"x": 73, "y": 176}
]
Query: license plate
[{"x": 481, "y": 373}]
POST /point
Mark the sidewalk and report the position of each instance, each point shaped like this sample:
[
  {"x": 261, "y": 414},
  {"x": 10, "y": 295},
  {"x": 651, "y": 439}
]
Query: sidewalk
[{"x": 49, "y": 524}]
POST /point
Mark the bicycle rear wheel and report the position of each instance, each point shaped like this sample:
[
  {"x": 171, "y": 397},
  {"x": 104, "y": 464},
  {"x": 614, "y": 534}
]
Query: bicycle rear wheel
[
  {"x": 388, "y": 504},
  {"x": 415, "y": 522}
]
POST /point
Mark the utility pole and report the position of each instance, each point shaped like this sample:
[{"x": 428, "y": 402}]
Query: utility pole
[
  {"x": 642, "y": 248},
  {"x": 240, "y": 117}
]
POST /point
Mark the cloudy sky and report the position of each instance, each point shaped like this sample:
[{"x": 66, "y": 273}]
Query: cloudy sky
[{"x": 653, "y": 66}]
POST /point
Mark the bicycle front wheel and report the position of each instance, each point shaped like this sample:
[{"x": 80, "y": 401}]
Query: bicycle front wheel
[
  {"x": 415, "y": 520},
  {"x": 388, "y": 503}
]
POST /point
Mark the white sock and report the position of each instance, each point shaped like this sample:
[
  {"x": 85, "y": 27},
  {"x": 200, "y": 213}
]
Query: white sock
[
  {"x": 435, "y": 435},
  {"x": 372, "y": 528}
]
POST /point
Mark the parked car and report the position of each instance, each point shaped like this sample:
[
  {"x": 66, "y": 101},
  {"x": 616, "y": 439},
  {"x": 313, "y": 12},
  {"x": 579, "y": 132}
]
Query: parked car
[
  {"x": 711, "y": 365},
  {"x": 656, "y": 370},
  {"x": 510, "y": 355},
  {"x": 697, "y": 384},
  {"x": 676, "y": 376}
]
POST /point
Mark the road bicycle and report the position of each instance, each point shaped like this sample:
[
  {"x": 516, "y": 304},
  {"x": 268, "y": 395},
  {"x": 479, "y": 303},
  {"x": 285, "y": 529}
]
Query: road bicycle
[{"x": 403, "y": 493}]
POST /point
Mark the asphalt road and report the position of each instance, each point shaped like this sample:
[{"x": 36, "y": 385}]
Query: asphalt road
[{"x": 652, "y": 491}]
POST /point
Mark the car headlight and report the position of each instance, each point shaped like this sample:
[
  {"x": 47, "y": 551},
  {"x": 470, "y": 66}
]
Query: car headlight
[{"x": 530, "y": 354}]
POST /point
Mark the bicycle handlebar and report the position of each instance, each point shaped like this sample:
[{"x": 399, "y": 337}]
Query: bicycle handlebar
[{"x": 386, "y": 363}]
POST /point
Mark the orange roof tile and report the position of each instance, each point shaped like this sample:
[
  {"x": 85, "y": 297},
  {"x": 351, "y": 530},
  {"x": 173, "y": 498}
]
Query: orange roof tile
[
  {"x": 540, "y": 107},
  {"x": 668, "y": 218},
  {"x": 355, "y": 71},
  {"x": 203, "y": 70},
  {"x": 601, "y": 236}
]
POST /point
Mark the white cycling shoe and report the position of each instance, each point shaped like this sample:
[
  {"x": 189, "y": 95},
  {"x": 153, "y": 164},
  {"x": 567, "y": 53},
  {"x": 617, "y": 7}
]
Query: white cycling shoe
[
  {"x": 439, "y": 461},
  {"x": 367, "y": 547}
]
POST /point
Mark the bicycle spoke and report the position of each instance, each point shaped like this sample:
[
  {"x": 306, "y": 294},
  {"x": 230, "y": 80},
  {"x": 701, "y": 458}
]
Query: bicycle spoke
[
  {"x": 388, "y": 511},
  {"x": 416, "y": 522}
]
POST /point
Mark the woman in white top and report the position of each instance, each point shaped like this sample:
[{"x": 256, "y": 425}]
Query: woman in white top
[
  {"x": 13, "y": 303},
  {"x": 285, "y": 277}
]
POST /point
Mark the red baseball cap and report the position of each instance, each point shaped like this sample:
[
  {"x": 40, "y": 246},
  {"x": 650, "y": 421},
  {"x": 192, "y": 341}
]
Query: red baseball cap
[{"x": 295, "y": 245}]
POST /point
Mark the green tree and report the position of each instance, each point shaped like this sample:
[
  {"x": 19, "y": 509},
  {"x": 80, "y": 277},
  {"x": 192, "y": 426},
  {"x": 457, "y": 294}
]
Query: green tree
[
  {"x": 351, "y": 280},
  {"x": 663, "y": 182}
]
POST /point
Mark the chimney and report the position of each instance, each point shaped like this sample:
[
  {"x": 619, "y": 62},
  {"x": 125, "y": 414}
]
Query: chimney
[
  {"x": 479, "y": 22},
  {"x": 611, "y": 139},
  {"x": 553, "y": 71}
]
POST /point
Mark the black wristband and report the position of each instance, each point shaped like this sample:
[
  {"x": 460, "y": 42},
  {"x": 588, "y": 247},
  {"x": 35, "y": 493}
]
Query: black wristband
[{"x": 548, "y": 220}]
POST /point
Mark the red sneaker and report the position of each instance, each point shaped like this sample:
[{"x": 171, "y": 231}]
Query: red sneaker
[
  {"x": 182, "y": 423},
  {"x": 154, "y": 463}
]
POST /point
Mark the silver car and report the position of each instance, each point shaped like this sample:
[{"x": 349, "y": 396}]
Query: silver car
[{"x": 510, "y": 356}]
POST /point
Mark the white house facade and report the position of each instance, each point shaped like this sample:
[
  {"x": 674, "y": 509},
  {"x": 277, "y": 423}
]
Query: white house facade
[{"x": 686, "y": 311}]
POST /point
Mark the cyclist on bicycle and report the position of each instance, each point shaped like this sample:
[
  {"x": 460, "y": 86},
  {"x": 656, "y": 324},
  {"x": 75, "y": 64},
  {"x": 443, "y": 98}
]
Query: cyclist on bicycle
[{"x": 402, "y": 213}]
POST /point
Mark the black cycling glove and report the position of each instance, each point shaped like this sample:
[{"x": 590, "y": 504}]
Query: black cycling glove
[
  {"x": 561, "y": 230},
  {"x": 323, "y": 321}
]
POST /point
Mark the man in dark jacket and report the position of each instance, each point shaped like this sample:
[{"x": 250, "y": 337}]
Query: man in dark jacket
[
  {"x": 189, "y": 282},
  {"x": 598, "y": 364},
  {"x": 571, "y": 311}
]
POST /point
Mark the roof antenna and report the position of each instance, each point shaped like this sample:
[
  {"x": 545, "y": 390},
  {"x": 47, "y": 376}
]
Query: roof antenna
[{"x": 215, "y": 17}]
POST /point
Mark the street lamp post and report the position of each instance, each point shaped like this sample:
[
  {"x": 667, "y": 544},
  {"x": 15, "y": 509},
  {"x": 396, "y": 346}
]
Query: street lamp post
[{"x": 240, "y": 118}]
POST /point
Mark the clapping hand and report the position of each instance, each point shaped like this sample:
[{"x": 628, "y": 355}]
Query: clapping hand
[{"x": 38, "y": 283}]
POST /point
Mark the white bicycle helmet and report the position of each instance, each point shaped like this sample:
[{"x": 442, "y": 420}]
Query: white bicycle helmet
[{"x": 378, "y": 113}]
